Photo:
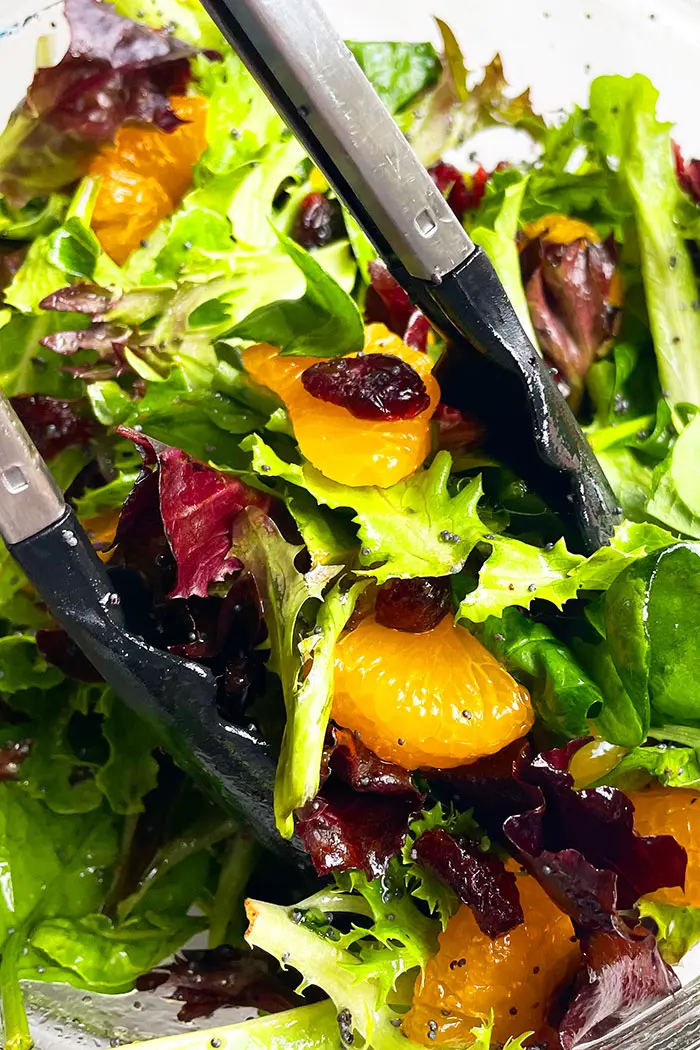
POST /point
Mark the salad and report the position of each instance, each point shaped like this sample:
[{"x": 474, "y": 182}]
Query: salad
[{"x": 487, "y": 744}]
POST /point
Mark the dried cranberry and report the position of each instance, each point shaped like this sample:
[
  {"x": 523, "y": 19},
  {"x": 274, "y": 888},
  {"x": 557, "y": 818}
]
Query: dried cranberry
[
  {"x": 414, "y": 606},
  {"x": 319, "y": 222},
  {"x": 370, "y": 386}
]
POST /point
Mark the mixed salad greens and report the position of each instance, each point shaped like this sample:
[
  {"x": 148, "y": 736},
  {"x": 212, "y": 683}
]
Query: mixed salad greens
[{"x": 245, "y": 411}]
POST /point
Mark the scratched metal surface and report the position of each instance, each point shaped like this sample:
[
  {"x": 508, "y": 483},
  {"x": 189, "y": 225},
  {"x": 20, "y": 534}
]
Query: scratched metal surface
[{"x": 556, "y": 47}]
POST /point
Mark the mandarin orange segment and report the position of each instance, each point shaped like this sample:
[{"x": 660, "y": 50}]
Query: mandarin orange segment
[
  {"x": 433, "y": 699},
  {"x": 102, "y": 529},
  {"x": 346, "y": 449},
  {"x": 672, "y": 811},
  {"x": 513, "y": 975},
  {"x": 144, "y": 174}
]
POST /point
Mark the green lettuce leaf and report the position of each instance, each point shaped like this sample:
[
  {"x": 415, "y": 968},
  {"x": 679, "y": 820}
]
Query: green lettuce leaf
[
  {"x": 678, "y": 928},
  {"x": 495, "y": 229},
  {"x": 413, "y": 528},
  {"x": 302, "y": 1028},
  {"x": 398, "y": 71},
  {"x": 675, "y": 497},
  {"x": 71, "y": 252},
  {"x": 325, "y": 321},
  {"x": 208, "y": 423},
  {"x": 359, "y": 981},
  {"x": 186, "y": 19},
  {"x": 651, "y": 621},
  {"x": 629, "y": 135},
  {"x": 671, "y": 766},
  {"x": 25, "y": 367},
  {"x": 516, "y": 573},
  {"x": 564, "y": 696},
  {"x": 53, "y": 866},
  {"x": 285, "y": 591},
  {"x": 34, "y": 218}
]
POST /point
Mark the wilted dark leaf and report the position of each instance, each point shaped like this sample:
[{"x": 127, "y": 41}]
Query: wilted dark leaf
[
  {"x": 197, "y": 506},
  {"x": 597, "y": 823},
  {"x": 99, "y": 336},
  {"x": 582, "y": 848},
  {"x": 478, "y": 877},
  {"x": 361, "y": 815},
  {"x": 457, "y": 432},
  {"x": 206, "y": 980},
  {"x": 54, "y": 424}
]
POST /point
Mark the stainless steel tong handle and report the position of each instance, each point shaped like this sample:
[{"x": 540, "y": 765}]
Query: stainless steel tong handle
[
  {"x": 310, "y": 74},
  {"x": 30, "y": 499}
]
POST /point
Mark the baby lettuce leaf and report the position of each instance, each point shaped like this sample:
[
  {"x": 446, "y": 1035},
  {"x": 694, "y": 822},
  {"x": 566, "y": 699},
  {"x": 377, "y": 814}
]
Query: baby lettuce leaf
[
  {"x": 627, "y": 130},
  {"x": 565, "y": 696},
  {"x": 678, "y": 928},
  {"x": 325, "y": 321},
  {"x": 651, "y": 623},
  {"x": 362, "y": 981},
  {"x": 69, "y": 253},
  {"x": 186, "y": 19},
  {"x": 398, "y": 71},
  {"x": 284, "y": 590},
  {"x": 671, "y": 766},
  {"x": 197, "y": 505},
  {"x": 208, "y": 422},
  {"x": 675, "y": 497},
  {"x": 53, "y": 866}
]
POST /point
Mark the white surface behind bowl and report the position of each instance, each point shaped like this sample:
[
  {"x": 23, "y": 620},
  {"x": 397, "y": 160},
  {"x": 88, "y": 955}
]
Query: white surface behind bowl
[{"x": 554, "y": 46}]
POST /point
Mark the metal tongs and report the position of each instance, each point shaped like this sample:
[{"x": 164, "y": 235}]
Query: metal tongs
[{"x": 316, "y": 84}]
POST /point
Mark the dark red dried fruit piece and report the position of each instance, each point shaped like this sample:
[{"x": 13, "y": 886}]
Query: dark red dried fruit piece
[
  {"x": 414, "y": 606},
  {"x": 370, "y": 386},
  {"x": 319, "y": 221},
  {"x": 478, "y": 877},
  {"x": 360, "y": 817}
]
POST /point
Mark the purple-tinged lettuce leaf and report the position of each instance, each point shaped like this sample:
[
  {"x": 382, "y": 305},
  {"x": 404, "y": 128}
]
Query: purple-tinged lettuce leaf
[
  {"x": 114, "y": 70},
  {"x": 198, "y": 505},
  {"x": 622, "y": 974}
]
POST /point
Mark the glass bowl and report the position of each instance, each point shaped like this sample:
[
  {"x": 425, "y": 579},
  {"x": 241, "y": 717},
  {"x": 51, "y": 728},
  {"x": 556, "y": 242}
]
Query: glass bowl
[{"x": 556, "y": 47}]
